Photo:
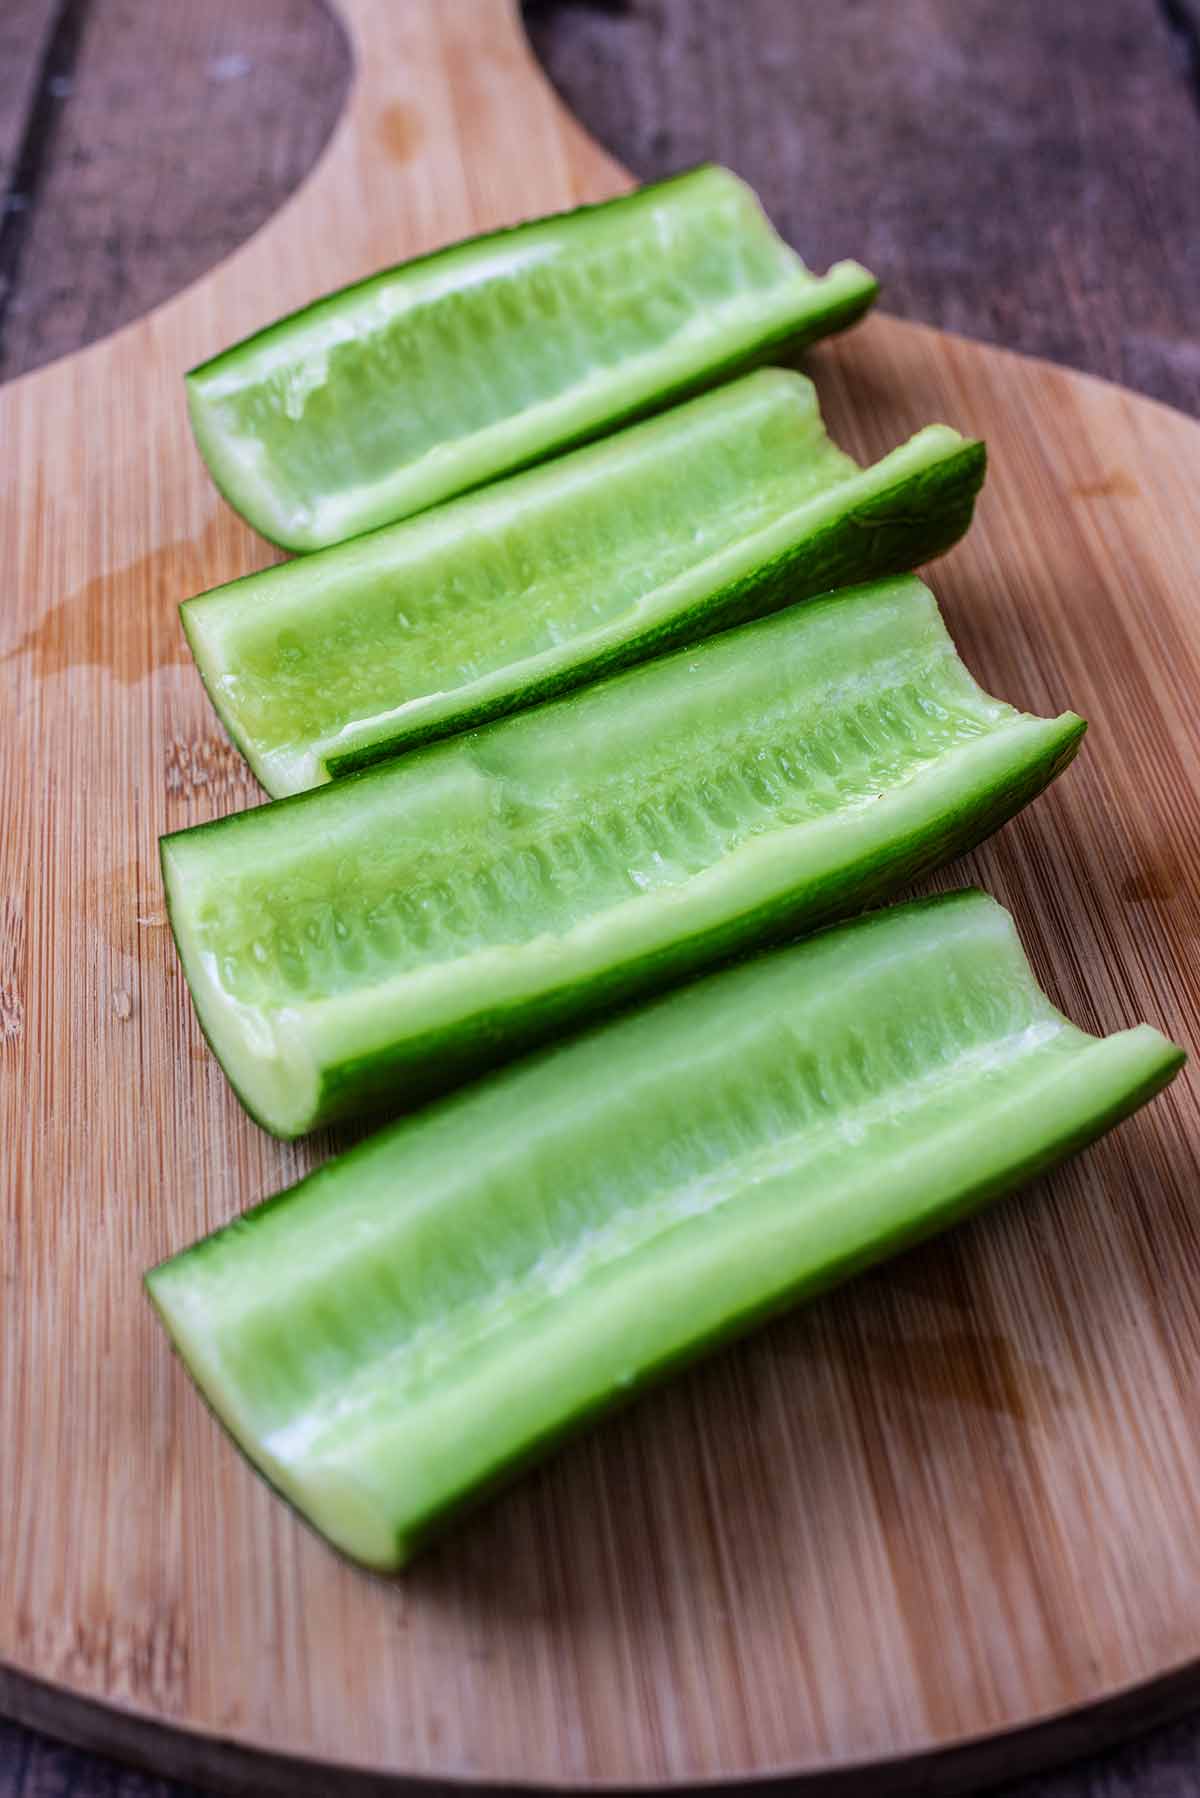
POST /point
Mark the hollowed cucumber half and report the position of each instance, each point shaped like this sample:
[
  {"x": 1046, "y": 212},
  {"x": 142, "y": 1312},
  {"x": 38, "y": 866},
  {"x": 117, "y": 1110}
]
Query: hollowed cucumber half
[
  {"x": 443, "y": 373},
  {"x": 720, "y": 509},
  {"x": 422, "y": 1315},
  {"x": 369, "y": 943}
]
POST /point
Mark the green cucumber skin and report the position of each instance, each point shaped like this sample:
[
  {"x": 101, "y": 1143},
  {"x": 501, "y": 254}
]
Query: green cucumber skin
[
  {"x": 430, "y": 1529},
  {"x": 749, "y": 475},
  {"x": 429, "y": 1065},
  {"x": 426, "y": 1066},
  {"x": 938, "y": 817},
  {"x": 914, "y": 522},
  {"x": 1002, "y": 1168},
  {"x": 331, "y": 303},
  {"x": 836, "y": 313},
  {"x": 836, "y": 316}
]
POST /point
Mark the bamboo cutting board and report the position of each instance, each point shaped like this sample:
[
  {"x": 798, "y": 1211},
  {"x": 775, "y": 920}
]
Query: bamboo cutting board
[{"x": 900, "y": 1538}]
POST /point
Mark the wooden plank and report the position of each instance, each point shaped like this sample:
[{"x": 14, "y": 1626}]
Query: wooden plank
[
  {"x": 33, "y": 1766},
  {"x": 1024, "y": 173},
  {"x": 32, "y": 93},
  {"x": 951, "y": 1498},
  {"x": 1184, "y": 17},
  {"x": 25, "y": 26},
  {"x": 179, "y": 141}
]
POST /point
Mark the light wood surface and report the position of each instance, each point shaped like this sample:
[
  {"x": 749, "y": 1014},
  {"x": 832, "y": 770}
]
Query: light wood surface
[{"x": 953, "y": 1500}]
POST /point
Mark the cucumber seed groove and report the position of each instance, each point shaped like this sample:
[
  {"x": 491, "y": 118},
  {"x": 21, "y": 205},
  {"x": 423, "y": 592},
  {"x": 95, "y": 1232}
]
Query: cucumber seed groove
[
  {"x": 414, "y": 1320},
  {"x": 436, "y": 376},
  {"x": 368, "y": 943},
  {"x": 723, "y": 508}
]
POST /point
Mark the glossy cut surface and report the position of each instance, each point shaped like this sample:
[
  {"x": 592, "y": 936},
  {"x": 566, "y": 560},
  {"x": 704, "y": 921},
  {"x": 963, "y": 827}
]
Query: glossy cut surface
[
  {"x": 723, "y": 507},
  {"x": 442, "y": 373},
  {"x": 418, "y": 1316},
  {"x": 367, "y": 943}
]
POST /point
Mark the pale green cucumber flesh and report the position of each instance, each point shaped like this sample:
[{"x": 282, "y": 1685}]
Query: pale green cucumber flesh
[
  {"x": 712, "y": 513},
  {"x": 363, "y": 945},
  {"x": 439, "y": 375},
  {"x": 409, "y": 1324}
]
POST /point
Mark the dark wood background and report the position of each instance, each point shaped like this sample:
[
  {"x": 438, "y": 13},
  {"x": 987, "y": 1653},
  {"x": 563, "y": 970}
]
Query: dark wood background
[{"x": 1022, "y": 170}]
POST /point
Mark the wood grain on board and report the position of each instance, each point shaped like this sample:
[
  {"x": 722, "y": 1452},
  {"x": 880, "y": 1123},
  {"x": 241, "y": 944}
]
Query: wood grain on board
[{"x": 949, "y": 1501}]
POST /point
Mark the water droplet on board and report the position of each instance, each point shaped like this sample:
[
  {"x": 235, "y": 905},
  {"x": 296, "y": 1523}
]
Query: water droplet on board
[{"x": 231, "y": 67}]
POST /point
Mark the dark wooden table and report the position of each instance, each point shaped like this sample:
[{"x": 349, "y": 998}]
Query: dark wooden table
[{"x": 1023, "y": 170}]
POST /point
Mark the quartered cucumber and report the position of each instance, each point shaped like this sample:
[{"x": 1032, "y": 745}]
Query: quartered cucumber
[
  {"x": 370, "y": 942},
  {"x": 721, "y": 509},
  {"x": 439, "y": 375},
  {"x": 420, "y": 1316}
]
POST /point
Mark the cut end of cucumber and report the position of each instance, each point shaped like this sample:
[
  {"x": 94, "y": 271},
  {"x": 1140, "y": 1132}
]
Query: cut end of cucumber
[
  {"x": 264, "y": 1053},
  {"x": 332, "y": 1498}
]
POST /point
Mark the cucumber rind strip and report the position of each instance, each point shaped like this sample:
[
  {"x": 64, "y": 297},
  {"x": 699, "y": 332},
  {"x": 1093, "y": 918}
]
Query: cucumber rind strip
[
  {"x": 400, "y": 1039},
  {"x": 275, "y": 340},
  {"x": 719, "y": 340},
  {"x": 297, "y": 1065},
  {"x": 379, "y": 1481},
  {"x": 648, "y": 383},
  {"x": 904, "y": 510},
  {"x": 738, "y": 594}
]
